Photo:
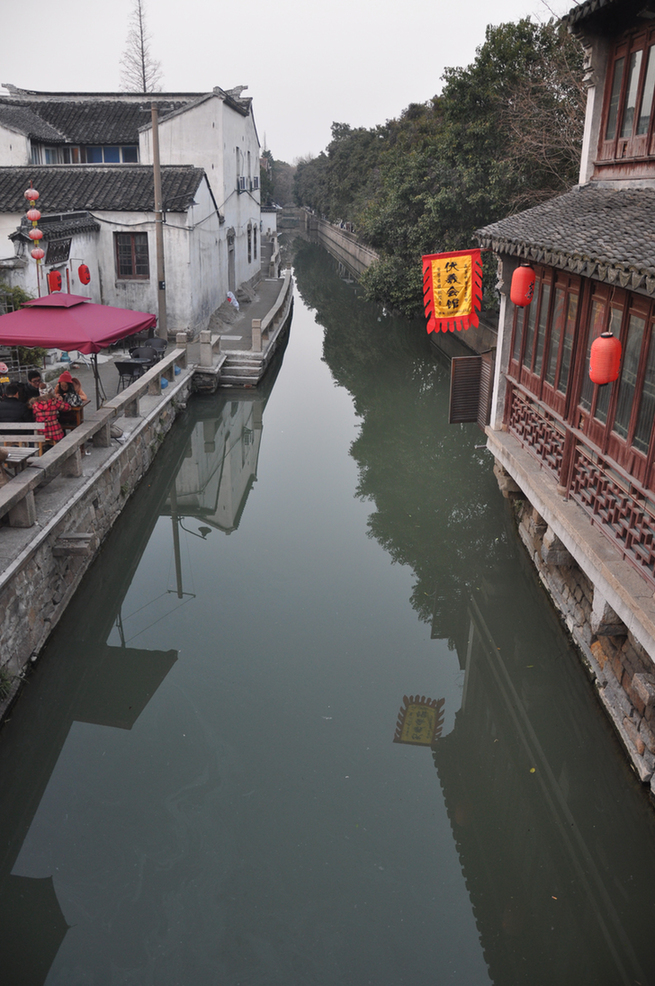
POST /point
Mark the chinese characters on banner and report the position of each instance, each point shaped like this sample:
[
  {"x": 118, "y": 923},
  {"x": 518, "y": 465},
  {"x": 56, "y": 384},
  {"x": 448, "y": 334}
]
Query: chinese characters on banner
[
  {"x": 452, "y": 290},
  {"x": 420, "y": 720}
]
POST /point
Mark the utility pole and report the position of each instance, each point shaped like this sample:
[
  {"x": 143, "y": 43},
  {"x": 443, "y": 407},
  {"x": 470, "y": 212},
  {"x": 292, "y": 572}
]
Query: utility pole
[{"x": 162, "y": 327}]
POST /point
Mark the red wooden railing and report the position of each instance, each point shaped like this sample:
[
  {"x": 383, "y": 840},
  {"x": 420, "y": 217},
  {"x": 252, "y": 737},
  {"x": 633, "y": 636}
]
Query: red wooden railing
[{"x": 623, "y": 510}]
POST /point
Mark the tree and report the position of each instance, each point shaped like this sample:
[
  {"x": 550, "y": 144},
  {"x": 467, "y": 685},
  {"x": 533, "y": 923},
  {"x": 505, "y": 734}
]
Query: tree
[
  {"x": 504, "y": 134},
  {"x": 139, "y": 71}
]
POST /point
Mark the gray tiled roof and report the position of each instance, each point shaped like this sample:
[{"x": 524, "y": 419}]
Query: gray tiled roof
[
  {"x": 593, "y": 231},
  {"x": 58, "y": 226},
  {"x": 109, "y": 121},
  {"x": 108, "y": 187},
  {"x": 607, "y": 11},
  {"x": 23, "y": 119}
]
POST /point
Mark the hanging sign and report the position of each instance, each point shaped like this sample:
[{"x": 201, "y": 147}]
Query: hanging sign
[
  {"x": 452, "y": 290},
  {"x": 420, "y": 720}
]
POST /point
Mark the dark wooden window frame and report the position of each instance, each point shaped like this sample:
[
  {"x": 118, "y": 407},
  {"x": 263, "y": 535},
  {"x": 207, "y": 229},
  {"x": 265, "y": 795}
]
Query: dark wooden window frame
[
  {"x": 588, "y": 421},
  {"x": 616, "y": 147},
  {"x": 134, "y": 264}
]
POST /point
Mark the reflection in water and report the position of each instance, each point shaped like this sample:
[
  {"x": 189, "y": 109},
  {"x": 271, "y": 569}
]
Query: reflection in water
[
  {"x": 213, "y": 459},
  {"x": 250, "y": 820},
  {"x": 534, "y": 804}
]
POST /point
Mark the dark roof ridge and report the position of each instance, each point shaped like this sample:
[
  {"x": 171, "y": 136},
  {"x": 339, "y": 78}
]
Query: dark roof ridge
[
  {"x": 593, "y": 231},
  {"x": 106, "y": 187}
]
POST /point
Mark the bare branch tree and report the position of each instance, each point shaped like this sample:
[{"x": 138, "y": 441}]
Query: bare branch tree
[
  {"x": 139, "y": 71},
  {"x": 544, "y": 120}
]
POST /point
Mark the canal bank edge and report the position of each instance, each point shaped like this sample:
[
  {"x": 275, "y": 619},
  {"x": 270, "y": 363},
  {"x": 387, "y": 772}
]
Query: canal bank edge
[
  {"x": 37, "y": 587},
  {"x": 605, "y": 604},
  {"x": 61, "y": 538}
]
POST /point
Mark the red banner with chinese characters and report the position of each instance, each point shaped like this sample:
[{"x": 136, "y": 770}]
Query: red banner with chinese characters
[{"x": 452, "y": 290}]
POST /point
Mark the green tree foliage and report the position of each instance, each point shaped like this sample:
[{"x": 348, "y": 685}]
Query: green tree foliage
[
  {"x": 276, "y": 180},
  {"x": 504, "y": 134}
]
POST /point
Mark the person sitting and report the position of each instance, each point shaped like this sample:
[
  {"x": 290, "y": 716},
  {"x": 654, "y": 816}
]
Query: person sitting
[
  {"x": 70, "y": 390},
  {"x": 33, "y": 387},
  {"x": 45, "y": 410},
  {"x": 11, "y": 407}
]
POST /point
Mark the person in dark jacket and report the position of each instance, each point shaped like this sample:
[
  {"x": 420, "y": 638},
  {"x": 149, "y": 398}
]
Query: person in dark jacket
[
  {"x": 11, "y": 408},
  {"x": 34, "y": 386}
]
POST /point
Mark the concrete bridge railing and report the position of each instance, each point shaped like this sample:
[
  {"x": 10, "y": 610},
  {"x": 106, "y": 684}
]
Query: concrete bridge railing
[
  {"x": 275, "y": 318},
  {"x": 65, "y": 458}
]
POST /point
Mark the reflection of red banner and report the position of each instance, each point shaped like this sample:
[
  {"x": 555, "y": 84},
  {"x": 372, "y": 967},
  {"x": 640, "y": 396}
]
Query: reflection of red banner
[
  {"x": 420, "y": 720},
  {"x": 452, "y": 289}
]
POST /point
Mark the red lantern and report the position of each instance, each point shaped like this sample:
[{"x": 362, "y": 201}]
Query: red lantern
[
  {"x": 604, "y": 359},
  {"x": 33, "y": 215},
  {"x": 38, "y": 253},
  {"x": 35, "y": 234},
  {"x": 31, "y": 194},
  {"x": 84, "y": 274},
  {"x": 54, "y": 281},
  {"x": 522, "y": 288}
]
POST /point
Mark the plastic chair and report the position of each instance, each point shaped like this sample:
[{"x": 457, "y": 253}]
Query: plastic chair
[
  {"x": 127, "y": 373},
  {"x": 144, "y": 352},
  {"x": 159, "y": 345}
]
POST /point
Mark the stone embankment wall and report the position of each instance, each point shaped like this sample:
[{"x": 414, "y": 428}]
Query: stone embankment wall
[
  {"x": 341, "y": 243},
  {"x": 73, "y": 516},
  {"x": 621, "y": 667},
  {"x": 357, "y": 257}
]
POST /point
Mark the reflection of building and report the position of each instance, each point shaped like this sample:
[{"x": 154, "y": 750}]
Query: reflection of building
[
  {"x": 558, "y": 896},
  {"x": 220, "y": 464},
  {"x": 84, "y": 680}
]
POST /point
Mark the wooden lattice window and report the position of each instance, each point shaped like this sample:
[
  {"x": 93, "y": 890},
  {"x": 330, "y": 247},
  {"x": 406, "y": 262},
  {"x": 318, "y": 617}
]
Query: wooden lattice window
[
  {"x": 132, "y": 259},
  {"x": 627, "y": 126}
]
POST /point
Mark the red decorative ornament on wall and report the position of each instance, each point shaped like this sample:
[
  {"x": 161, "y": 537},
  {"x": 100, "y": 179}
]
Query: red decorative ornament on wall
[
  {"x": 84, "y": 274},
  {"x": 522, "y": 288},
  {"x": 604, "y": 359},
  {"x": 54, "y": 280}
]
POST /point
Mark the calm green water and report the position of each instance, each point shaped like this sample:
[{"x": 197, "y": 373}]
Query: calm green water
[{"x": 199, "y": 784}]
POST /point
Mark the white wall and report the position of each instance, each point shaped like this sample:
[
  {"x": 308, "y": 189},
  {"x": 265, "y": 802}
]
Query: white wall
[
  {"x": 194, "y": 279},
  {"x": 206, "y": 135},
  {"x": 15, "y": 149}
]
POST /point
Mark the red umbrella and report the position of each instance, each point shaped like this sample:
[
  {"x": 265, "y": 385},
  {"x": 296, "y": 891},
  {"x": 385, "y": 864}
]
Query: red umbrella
[{"x": 71, "y": 322}]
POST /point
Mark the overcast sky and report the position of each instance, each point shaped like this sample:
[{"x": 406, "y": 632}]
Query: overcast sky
[{"x": 306, "y": 64}]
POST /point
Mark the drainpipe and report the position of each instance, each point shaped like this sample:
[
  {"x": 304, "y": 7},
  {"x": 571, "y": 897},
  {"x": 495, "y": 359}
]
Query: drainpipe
[{"x": 162, "y": 327}]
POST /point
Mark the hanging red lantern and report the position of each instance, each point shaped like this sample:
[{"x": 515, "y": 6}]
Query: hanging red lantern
[
  {"x": 31, "y": 194},
  {"x": 38, "y": 253},
  {"x": 35, "y": 234},
  {"x": 84, "y": 274},
  {"x": 54, "y": 281},
  {"x": 604, "y": 359},
  {"x": 33, "y": 215},
  {"x": 522, "y": 288}
]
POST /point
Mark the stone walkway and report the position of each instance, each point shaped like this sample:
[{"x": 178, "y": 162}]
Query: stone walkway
[{"x": 233, "y": 326}]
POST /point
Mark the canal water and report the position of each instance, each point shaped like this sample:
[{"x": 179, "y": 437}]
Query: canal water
[{"x": 207, "y": 779}]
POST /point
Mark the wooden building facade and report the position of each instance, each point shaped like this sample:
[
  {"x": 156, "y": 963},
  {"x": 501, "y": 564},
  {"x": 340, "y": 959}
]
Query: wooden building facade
[{"x": 593, "y": 253}]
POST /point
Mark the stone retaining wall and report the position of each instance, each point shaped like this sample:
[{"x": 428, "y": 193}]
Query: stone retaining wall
[
  {"x": 343, "y": 245},
  {"x": 38, "y": 586},
  {"x": 623, "y": 672}
]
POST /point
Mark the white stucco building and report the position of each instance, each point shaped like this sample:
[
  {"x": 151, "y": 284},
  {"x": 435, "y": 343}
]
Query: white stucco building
[{"x": 90, "y": 157}]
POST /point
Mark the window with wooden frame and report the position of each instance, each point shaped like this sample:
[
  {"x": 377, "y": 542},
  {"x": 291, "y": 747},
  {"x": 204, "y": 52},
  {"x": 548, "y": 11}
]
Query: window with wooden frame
[
  {"x": 132, "y": 259},
  {"x": 627, "y": 126},
  {"x": 530, "y": 332},
  {"x": 618, "y": 417}
]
